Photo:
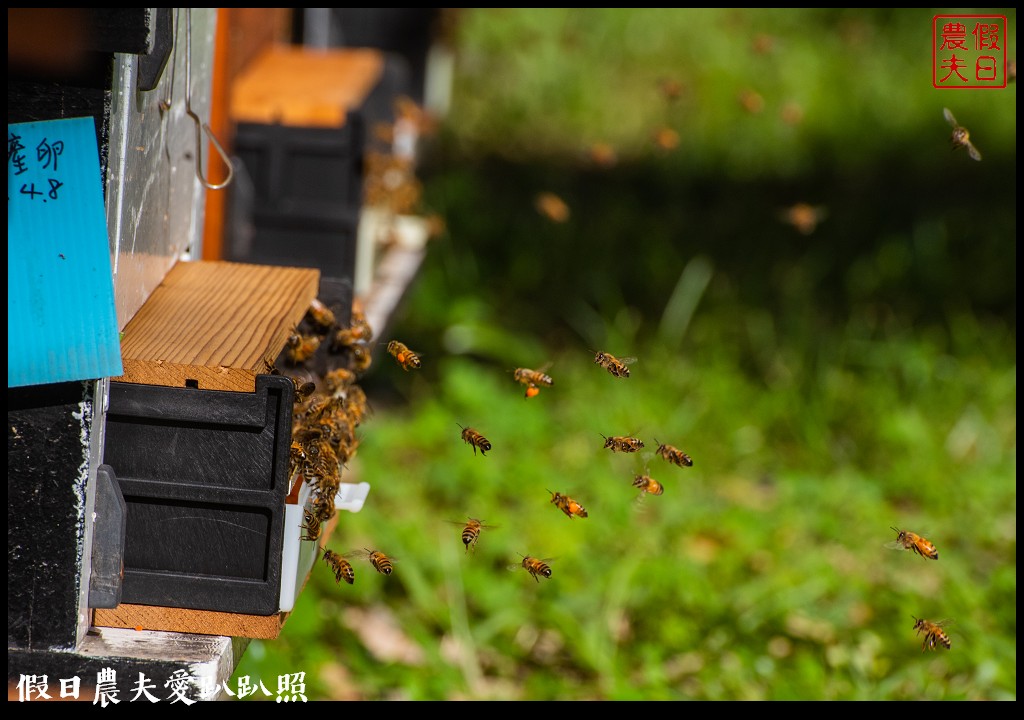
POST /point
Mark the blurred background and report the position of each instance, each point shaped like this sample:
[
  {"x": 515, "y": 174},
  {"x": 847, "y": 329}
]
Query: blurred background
[{"x": 764, "y": 209}]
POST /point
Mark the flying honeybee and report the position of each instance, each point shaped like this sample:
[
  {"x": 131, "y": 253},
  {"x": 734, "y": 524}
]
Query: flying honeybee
[
  {"x": 933, "y": 633},
  {"x": 666, "y": 138},
  {"x": 381, "y": 562},
  {"x": 907, "y": 540},
  {"x": 471, "y": 531},
  {"x": 552, "y": 207},
  {"x": 533, "y": 379},
  {"x": 670, "y": 88},
  {"x": 751, "y": 101},
  {"x": 567, "y": 505},
  {"x": 299, "y": 348},
  {"x": 960, "y": 137},
  {"x": 623, "y": 443},
  {"x": 320, "y": 315},
  {"x": 647, "y": 485},
  {"x": 674, "y": 455},
  {"x": 803, "y": 216},
  {"x": 603, "y": 155},
  {"x": 405, "y": 357},
  {"x": 618, "y": 367},
  {"x": 342, "y": 568},
  {"x": 536, "y": 567},
  {"x": 475, "y": 439}
]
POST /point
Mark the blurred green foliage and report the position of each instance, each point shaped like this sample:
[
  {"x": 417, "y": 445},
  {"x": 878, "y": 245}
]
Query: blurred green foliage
[{"x": 828, "y": 385}]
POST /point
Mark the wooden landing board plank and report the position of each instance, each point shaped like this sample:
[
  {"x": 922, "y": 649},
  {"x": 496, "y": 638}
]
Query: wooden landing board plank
[
  {"x": 303, "y": 87},
  {"x": 215, "y": 322},
  {"x": 197, "y": 622}
]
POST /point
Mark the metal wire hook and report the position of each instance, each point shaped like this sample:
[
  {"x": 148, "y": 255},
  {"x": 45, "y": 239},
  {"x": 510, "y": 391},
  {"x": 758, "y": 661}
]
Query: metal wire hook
[{"x": 201, "y": 127}]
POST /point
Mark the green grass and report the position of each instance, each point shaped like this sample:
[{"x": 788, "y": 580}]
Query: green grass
[
  {"x": 827, "y": 387},
  {"x": 761, "y": 572}
]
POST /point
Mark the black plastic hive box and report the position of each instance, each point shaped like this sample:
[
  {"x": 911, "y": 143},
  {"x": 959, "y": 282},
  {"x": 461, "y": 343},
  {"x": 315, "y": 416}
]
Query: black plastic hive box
[
  {"x": 298, "y": 196},
  {"x": 204, "y": 475}
]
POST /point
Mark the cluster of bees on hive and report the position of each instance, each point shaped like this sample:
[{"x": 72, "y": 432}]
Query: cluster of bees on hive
[{"x": 327, "y": 411}]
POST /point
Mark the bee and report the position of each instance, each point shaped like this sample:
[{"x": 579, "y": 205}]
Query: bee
[
  {"x": 320, "y": 315},
  {"x": 536, "y": 567},
  {"x": 603, "y": 155},
  {"x": 933, "y": 633},
  {"x": 342, "y": 568},
  {"x": 803, "y": 216},
  {"x": 617, "y": 367},
  {"x": 381, "y": 562},
  {"x": 960, "y": 137},
  {"x": 299, "y": 348},
  {"x": 674, "y": 455},
  {"x": 311, "y": 524},
  {"x": 303, "y": 388},
  {"x": 475, "y": 439},
  {"x": 320, "y": 460},
  {"x": 405, "y": 357},
  {"x": 552, "y": 207},
  {"x": 666, "y": 138},
  {"x": 623, "y": 443},
  {"x": 670, "y": 88},
  {"x": 567, "y": 505},
  {"x": 338, "y": 379},
  {"x": 296, "y": 457},
  {"x": 907, "y": 540},
  {"x": 533, "y": 379},
  {"x": 323, "y": 504},
  {"x": 471, "y": 531},
  {"x": 362, "y": 358},
  {"x": 647, "y": 485},
  {"x": 356, "y": 403},
  {"x": 751, "y": 101},
  {"x": 359, "y": 330}
]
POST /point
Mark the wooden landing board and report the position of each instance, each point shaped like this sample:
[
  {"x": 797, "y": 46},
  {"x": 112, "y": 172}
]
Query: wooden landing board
[
  {"x": 215, "y": 322},
  {"x": 197, "y": 622},
  {"x": 303, "y": 87}
]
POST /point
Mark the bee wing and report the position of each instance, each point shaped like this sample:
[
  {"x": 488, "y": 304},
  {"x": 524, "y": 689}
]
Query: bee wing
[
  {"x": 949, "y": 117},
  {"x": 628, "y": 360},
  {"x": 894, "y": 545},
  {"x": 640, "y": 503},
  {"x": 973, "y": 151}
]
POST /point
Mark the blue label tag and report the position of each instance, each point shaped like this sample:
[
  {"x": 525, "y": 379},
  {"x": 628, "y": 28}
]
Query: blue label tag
[{"x": 61, "y": 317}]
